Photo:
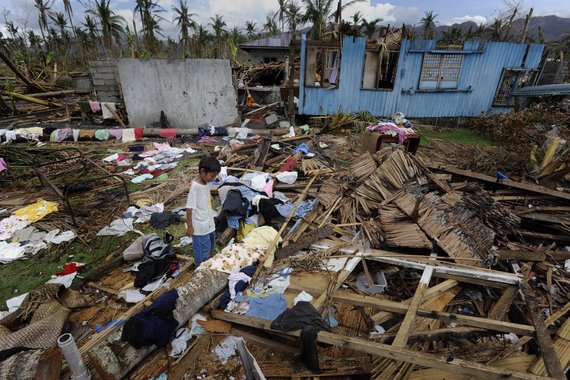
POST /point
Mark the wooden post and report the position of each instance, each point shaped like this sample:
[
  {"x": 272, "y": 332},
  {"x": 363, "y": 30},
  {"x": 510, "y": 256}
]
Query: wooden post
[{"x": 291, "y": 100}]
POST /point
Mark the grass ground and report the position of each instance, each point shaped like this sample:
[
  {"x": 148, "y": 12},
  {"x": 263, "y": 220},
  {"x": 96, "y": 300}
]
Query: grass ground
[{"x": 459, "y": 135}]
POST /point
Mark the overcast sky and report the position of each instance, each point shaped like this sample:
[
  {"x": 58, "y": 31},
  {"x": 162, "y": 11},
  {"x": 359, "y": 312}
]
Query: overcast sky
[{"x": 236, "y": 12}]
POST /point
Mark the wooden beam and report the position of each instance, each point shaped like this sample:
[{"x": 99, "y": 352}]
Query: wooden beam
[
  {"x": 443, "y": 269},
  {"x": 551, "y": 361},
  {"x": 516, "y": 185},
  {"x": 400, "y": 308},
  {"x": 434, "y": 291},
  {"x": 525, "y": 339},
  {"x": 462, "y": 367},
  {"x": 443, "y": 334},
  {"x": 405, "y": 327},
  {"x": 505, "y": 254},
  {"x": 503, "y": 304}
]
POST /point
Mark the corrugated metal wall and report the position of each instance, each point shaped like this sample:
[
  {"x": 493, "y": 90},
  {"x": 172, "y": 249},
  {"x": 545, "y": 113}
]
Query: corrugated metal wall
[{"x": 479, "y": 78}]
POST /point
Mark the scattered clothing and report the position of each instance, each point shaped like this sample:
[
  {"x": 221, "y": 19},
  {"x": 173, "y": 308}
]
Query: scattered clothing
[
  {"x": 142, "y": 178},
  {"x": 95, "y": 106},
  {"x": 129, "y": 136},
  {"x": 3, "y": 165},
  {"x": 226, "y": 349},
  {"x": 102, "y": 134},
  {"x": 304, "y": 316},
  {"x": 161, "y": 220},
  {"x": 154, "y": 325},
  {"x": 237, "y": 283},
  {"x": 36, "y": 211},
  {"x": 303, "y": 209},
  {"x": 139, "y": 133},
  {"x": 116, "y": 133},
  {"x": 118, "y": 227}
]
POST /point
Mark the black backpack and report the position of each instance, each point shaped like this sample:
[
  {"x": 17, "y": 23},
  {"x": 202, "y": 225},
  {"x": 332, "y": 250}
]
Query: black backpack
[
  {"x": 235, "y": 204},
  {"x": 155, "y": 248}
]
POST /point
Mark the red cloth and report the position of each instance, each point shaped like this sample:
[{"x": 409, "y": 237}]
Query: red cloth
[
  {"x": 68, "y": 269},
  {"x": 139, "y": 133},
  {"x": 168, "y": 133},
  {"x": 289, "y": 165}
]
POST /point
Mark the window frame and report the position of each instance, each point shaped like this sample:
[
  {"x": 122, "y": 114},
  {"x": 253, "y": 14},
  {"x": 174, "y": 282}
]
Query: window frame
[{"x": 437, "y": 80}]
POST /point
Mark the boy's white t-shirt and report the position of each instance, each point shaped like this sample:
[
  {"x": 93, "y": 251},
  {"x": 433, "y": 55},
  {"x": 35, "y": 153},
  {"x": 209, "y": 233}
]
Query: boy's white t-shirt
[{"x": 199, "y": 200}]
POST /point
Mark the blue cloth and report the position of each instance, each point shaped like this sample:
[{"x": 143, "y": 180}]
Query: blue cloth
[
  {"x": 240, "y": 286},
  {"x": 304, "y": 208},
  {"x": 269, "y": 307},
  {"x": 301, "y": 148},
  {"x": 247, "y": 193},
  {"x": 233, "y": 221},
  {"x": 203, "y": 244},
  {"x": 153, "y": 325}
]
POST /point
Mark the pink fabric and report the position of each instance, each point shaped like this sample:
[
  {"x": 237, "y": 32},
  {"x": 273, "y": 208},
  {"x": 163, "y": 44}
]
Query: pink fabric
[
  {"x": 116, "y": 133},
  {"x": 389, "y": 129},
  {"x": 95, "y": 106},
  {"x": 3, "y": 165},
  {"x": 268, "y": 188}
]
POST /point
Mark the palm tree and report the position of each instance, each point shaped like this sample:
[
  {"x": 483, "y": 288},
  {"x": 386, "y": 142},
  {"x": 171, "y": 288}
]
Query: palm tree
[
  {"x": 202, "y": 38},
  {"x": 43, "y": 9},
  {"x": 60, "y": 21},
  {"x": 452, "y": 36},
  {"x": 357, "y": 18},
  {"x": 184, "y": 21},
  {"x": 111, "y": 25},
  {"x": 218, "y": 24},
  {"x": 318, "y": 12},
  {"x": 250, "y": 30},
  {"x": 91, "y": 26},
  {"x": 148, "y": 10},
  {"x": 428, "y": 22},
  {"x": 236, "y": 35},
  {"x": 369, "y": 26},
  {"x": 270, "y": 27},
  {"x": 281, "y": 13},
  {"x": 294, "y": 16}
]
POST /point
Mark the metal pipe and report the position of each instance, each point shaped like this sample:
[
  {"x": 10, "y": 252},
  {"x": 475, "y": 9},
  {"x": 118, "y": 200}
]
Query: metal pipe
[{"x": 68, "y": 348}]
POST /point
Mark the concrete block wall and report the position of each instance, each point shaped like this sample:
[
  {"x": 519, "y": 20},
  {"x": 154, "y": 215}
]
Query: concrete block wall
[{"x": 106, "y": 81}]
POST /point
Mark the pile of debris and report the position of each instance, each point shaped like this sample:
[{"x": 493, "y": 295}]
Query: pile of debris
[{"x": 391, "y": 267}]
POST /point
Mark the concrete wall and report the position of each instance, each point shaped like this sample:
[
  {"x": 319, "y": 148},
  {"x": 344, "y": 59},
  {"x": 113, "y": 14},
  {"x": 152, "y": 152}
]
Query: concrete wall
[
  {"x": 105, "y": 78},
  {"x": 190, "y": 92}
]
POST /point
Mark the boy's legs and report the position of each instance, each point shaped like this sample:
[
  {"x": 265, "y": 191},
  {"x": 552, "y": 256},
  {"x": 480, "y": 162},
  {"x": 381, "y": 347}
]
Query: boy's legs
[{"x": 202, "y": 247}]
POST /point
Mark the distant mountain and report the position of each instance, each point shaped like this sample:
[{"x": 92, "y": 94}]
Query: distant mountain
[{"x": 553, "y": 27}]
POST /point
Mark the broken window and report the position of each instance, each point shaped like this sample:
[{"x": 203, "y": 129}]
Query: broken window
[
  {"x": 440, "y": 71},
  {"x": 380, "y": 69},
  {"x": 510, "y": 80},
  {"x": 323, "y": 67}
]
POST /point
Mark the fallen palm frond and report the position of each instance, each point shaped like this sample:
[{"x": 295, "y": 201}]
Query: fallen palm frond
[
  {"x": 372, "y": 232},
  {"x": 400, "y": 231},
  {"x": 363, "y": 166}
]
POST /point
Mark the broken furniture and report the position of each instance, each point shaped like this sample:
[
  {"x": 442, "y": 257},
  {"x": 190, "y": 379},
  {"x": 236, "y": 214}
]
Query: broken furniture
[
  {"x": 374, "y": 141},
  {"x": 69, "y": 175}
]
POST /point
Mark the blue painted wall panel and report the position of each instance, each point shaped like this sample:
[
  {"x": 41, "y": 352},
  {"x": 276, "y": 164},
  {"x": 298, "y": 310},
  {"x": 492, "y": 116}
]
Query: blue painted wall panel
[{"x": 479, "y": 78}]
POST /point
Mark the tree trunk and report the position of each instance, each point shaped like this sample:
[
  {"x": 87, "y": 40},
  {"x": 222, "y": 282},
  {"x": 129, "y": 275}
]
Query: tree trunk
[
  {"x": 18, "y": 73},
  {"x": 117, "y": 358}
]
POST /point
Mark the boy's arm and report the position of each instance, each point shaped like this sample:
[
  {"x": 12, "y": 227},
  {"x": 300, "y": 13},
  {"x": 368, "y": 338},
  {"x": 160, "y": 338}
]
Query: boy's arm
[{"x": 190, "y": 227}]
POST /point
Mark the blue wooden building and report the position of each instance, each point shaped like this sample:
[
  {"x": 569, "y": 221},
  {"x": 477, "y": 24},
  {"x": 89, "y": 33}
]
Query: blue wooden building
[{"x": 418, "y": 79}]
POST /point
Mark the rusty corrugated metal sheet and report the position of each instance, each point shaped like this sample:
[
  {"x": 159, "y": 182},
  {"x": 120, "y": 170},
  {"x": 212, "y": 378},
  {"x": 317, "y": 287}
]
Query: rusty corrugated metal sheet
[{"x": 480, "y": 75}]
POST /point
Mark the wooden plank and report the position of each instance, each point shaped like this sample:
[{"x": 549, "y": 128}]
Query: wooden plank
[
  {"x": 178, "y": 370},
  {"x": 458, "y": 366},
  {"x": 264, "y": 342},
  {"x": 525, "y": 339},
  {"x": 505, "y": 254},
  {"x": 443, "y": 334},
  {"x": 400, "y": 308},
  {"x": 440, "y": 268},
  {"x": 430, "y": 293},
  {"x": 516, "y": 185},
  {"x": 503, "y": 304},
  {"x": 551, "y": 361},
  {"x": 405, "y": 327}
]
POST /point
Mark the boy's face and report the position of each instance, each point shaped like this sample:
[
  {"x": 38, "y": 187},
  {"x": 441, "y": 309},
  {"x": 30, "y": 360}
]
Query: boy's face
[{"x": 207, "y": 176}]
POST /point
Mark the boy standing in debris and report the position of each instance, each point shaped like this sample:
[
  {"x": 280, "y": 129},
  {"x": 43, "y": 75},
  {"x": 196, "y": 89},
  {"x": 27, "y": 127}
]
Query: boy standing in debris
[{"x": 199, "y": 213}]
